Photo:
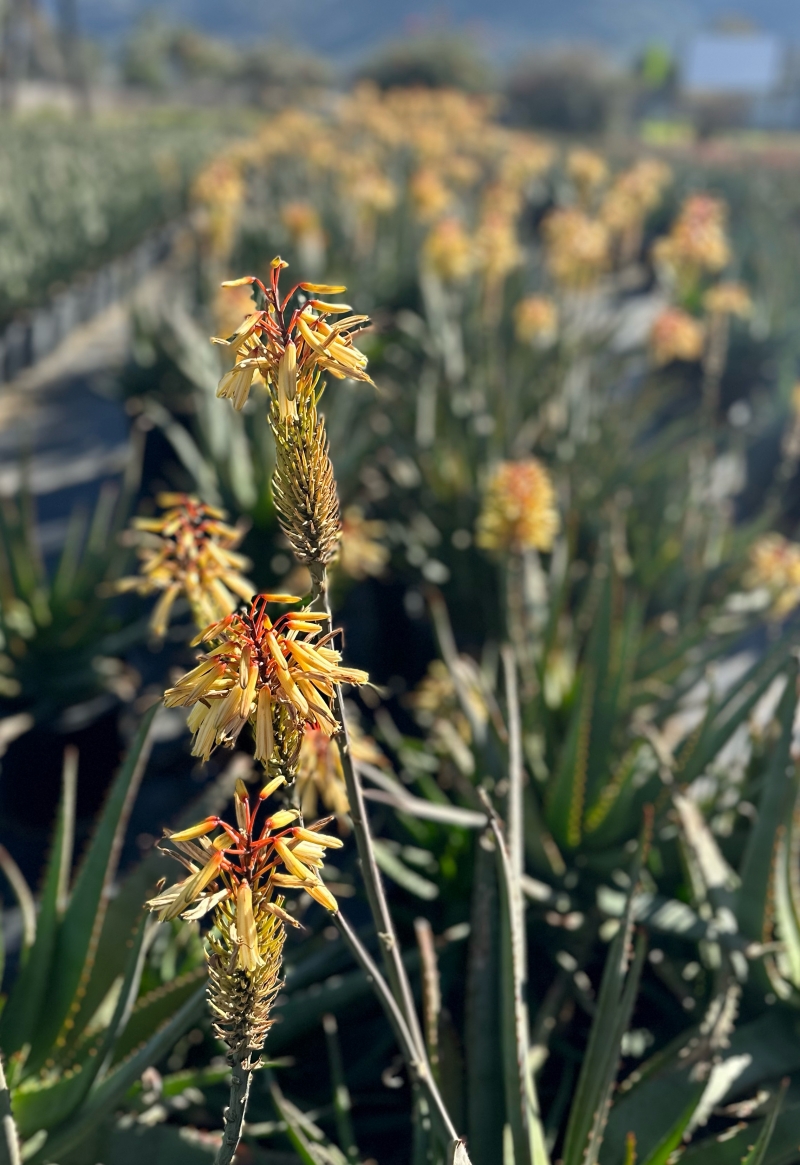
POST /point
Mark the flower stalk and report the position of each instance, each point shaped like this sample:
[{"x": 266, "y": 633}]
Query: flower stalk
[{"x": 254, "y": 668}]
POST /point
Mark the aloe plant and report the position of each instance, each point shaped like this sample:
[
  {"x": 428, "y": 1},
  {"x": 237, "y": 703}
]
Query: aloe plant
[{"x": 75, "y": 1034}]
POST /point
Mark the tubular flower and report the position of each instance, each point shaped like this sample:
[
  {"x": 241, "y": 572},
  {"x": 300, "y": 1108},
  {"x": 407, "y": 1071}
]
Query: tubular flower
[
  {"x": 676, "y": 335},
  {"x": 320, "y": 774},
  {"x": 436, "y": 705},
  {"x": 577, "y": 248},
  {"x": 519, "y": 511},
  {"x": 362, "y": 553},
  {"x": 775, "y": 567},
  {"x": 189, "y": 550},
  {"x": 728, "y": 299},
  {"x": 587, "y": 170},
  {"x": 240, "y": 876},
  {"x": 429, "y": 194},
  {"x": 697, "y": 243},
  {"x": 273, "y": 676},
  {"x": 448, "y": 251},
  {"x": 633, "y": 194},
  {"x": 292, "y": 351},
  {"x": 536, "y": 321}
]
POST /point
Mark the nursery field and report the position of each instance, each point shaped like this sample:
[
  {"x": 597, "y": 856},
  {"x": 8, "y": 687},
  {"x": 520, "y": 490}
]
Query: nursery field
[
  {"x": 75, "y": 195},
  {"x": 443, "y": 617}
]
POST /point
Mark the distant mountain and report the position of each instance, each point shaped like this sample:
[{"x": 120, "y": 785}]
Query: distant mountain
[{"x": 347, "y": 29}]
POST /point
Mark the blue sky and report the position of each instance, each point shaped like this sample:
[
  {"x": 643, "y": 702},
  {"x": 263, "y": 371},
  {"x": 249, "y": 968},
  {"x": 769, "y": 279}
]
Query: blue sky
[{"x": 346, "y": 30}]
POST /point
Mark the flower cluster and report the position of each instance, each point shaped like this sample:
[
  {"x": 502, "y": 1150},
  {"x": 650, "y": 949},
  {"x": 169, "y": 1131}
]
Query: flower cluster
[
  {"x": 587, "y": 170},
  {"x": 275, "y": 676},
  {"x": 676, "y": 335},
  {"x": 239, "y": 877},
  {"x": 536, "y": 321},
  {"x": 519, "y": 511},
  {"x": 696, "y": 245},
  {"x": 775, "y": 567},
  {"x": 448, "y": 251},
  {"x": 320, "y": 775},
  {"x": 577, "y": 248},
  {"x": 436, "y": 705},
  {"x": 728, "y": 299},
  {"x": 278, "y": 855},
  {"x": 189, "y": 550},
  {"x": 291, "y": 351},
  {"x": 290, "y": 343},
  {"x": 362, "y": 553},
  {"x": 633, "y": 194}
]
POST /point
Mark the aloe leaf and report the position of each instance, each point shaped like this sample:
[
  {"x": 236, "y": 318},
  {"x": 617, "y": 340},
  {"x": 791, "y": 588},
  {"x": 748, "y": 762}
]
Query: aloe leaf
[
  {"x": 187, "y": 451},
  {"x": 106, "y": 1096},
  {"x": 341, "y": 1093},
  {"x": 42, "y": 1103},
  {"x": 786, "y": 921},
  {"x": 24, "y": 1006},
  {"x": 566, "y": 795},
  {"x": 153, "y": 1009},
  {"x": 775, "y": 805},
  {"x": 653, "y": 1106},
  {"x": 79, "y": 930},
  {"x": 711, "y": 874},
  {"x": 615, "y": 1000},
  {"x": 736, "y": 1147},
  {"x": 670, "y": 1142},
  {"x": 9, "y": 1139},
  {"x": 759, "y": 1150},
  {"x": 522, "y": 1107},
  {"x": 615, "y": 805},
  {"x": 308, "y": 1141},
  {"x": 726, "y": 715},
  {"x": 482, "y": 1021},
  {"x": 22, "y": 893},
  {"x": 610, "y": 655},
  {"x": 399, "y": 872}
]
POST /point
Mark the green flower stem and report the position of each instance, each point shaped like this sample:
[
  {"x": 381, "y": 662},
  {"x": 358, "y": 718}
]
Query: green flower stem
[
  {"x": 373, "y": 883},
  {"x": 241, "y": 1077},
  {"x": 417, "y": 1065}
]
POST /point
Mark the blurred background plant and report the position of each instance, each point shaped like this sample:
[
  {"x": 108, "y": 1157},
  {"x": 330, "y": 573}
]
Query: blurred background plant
[{"x": 568, "y": 562}]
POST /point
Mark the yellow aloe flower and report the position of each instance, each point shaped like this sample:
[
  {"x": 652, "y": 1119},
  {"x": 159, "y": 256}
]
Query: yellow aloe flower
[
  {"x": 577, "y": 247},
  {"x": 292, "y": 348},
  {"x": 255, "y": 670},
  {"x": 775, "y": 567},
  {"x": 519, "y": 511},
  {"x": 633, "y": 194},
  {"x": 697, "y": 242},
  {"x": 536, "y": 321},
  {"x": 189, "y": 550},
  {"x": 587, "y": 170},
  {"x": 361, "y": 552},
  {"x": 243, "y": 864},
  {"x": 320, "y": 774},
  {"x": 676, "y": 335},
  {"x": 429, "y": 194},
  {"x": 728, "y": 299},
  {"x": 449, "y": 251}
]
